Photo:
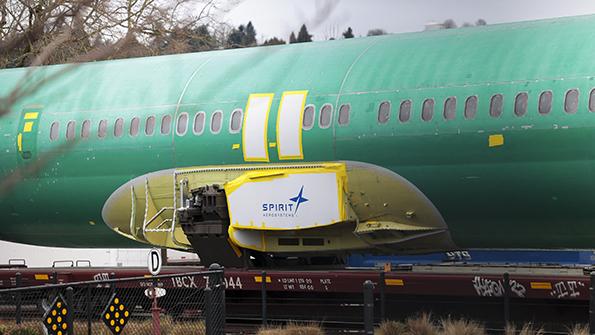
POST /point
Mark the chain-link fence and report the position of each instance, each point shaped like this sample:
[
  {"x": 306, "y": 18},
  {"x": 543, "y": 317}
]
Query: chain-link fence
[{"x": 188, "y": 303}]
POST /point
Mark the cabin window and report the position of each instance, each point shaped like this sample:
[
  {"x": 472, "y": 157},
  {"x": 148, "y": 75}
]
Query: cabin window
[
  {"x": 450, "y": 108},
  {"x": 119, "y": 127},
  {"x": 165, "y": 124},
  {"x": 150, "y": 126},
  {"x": 308, "y": 120},
  {"x": 134, "y": 126},
  {"x": 54, "y": 130},
  {"x": 427, "y": 111},
  {"x": 182, "y": 124},
  {"x": 384, "y": 112},
  {"x": 70, "y": 130},
  {"x": 545, "y": 102},
  {"x": 520, "y": 104},
  {"x": 326, "y": 113},
  {"x": 235, "y": 123},
  {"x": 592, "y": 101},
  {"x": 405, "y": 111},
  {"x": 102, "y": 128},
  {"x": 199, "y": 123},
  {"x": 86, "y": 129},
  {"x": 471, "y": 107},
  {"x": 496, "y": 105},
  {"x": 216, "y": 120},
  {"x": 571, "y": 101},
  {"x": 344, "y": 114}
]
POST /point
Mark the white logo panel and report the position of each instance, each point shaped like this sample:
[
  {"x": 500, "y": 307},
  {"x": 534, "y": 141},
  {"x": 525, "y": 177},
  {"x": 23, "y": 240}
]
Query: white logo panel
[{"x": 286, "y": 202}]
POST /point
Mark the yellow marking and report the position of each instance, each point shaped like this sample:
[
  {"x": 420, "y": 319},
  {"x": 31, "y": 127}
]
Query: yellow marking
[
  {"x": 266, "y": 126},
  {"x": 272, "y": 145},
  {"x": 20, "y": 142},
  {"x": 42, "y": 277},
  {"x": 258, "y": 279},
  {"x": 301, "y": 118},
  {"x": 28, "y": 127},
  {"x": 394, "y": 282},
  {"x": 536, "y": 285},
  {"x": 235, "y": 146},
  {"x": 235, "y": 248},
  {"x": 31, "y": 116},
  {"x": 496, "y": 140}
]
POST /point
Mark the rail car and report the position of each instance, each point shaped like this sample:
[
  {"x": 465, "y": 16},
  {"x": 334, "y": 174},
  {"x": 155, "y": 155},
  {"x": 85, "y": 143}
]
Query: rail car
[{"x": 470, "y": 290}]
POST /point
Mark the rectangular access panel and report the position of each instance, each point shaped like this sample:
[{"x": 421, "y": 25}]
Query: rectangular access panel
[
  {"x": 254, "y": 131},
  {"x": 27, "y": 133},
  {"x": 289, "y": 125}
]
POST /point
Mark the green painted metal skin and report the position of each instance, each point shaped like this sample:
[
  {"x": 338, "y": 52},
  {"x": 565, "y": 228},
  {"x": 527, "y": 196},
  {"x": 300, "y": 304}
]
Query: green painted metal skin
[{"x": 535, "y": 191}]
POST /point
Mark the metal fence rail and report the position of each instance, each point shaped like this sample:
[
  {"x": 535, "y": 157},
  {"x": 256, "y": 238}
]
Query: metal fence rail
[{"x": 187, "y": 303}]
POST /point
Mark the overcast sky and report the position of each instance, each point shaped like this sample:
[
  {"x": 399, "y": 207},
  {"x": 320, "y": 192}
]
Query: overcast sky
[{"x": 329, "y": 18}]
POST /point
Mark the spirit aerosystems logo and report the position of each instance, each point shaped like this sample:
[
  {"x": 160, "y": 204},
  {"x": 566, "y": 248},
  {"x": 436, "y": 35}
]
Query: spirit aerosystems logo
[{"x": 284, "y": 209}]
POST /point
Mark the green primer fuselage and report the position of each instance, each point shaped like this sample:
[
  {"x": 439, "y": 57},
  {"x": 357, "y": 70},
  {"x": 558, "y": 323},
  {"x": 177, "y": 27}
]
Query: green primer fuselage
[{"x": 534, "y": 191}]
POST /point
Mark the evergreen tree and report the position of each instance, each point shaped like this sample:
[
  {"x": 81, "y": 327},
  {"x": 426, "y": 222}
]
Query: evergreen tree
[
  {"x": 292, "y": 38},
  {"x": 481, "y": 22},
  {"x": 376, "y": 32},
  {"x": 273, "y": 41},
  {"x": 348, "y": 33},
  {"x": 236, "y": 37},
  {"x": 449, "y": 24},
  {"x": 250, "y": 35},
  {"x": 201, "y": 39},
  {"x": 303, "y": 35}
]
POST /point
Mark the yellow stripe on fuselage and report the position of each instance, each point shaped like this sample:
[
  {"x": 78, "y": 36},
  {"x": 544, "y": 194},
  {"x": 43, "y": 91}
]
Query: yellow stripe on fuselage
[
  {"x": 31, "y": 116},
  {"x": 28, "y": 127}
]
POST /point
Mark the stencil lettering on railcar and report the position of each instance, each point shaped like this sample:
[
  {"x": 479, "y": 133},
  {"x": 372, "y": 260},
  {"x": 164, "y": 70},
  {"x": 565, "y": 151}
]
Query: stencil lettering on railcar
[
  {"x": 183, "y": 282},
  {"x": 233, "y": 284}
]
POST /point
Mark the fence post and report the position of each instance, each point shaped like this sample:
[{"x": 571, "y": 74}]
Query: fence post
[
  {"x": 70, "y": 306},
  {"x": 592, "y": 304},
  {"x": 263, "y": 297},
  {"x": 18, "y": 311},
  {"x": 89, "y": 310},
  {"x": 382, "y": 296},
  {"x": 155, "y": 310},
  {"x": 368, "y": 307},
  {"x": 215, "y": 301},
  {"x": 209, "y": 322},
  {"x": 112, "y": 275},
  {"x": 506, "y": 299}
]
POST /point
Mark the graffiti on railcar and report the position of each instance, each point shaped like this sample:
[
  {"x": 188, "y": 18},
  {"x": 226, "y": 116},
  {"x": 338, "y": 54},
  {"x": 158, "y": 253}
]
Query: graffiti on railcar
[
  {"x": 101, "y": 276},
  {"x": 567, "y": 289},
  {"x": 495, "y": 288},
  {"x": 458, "y": 255}
]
